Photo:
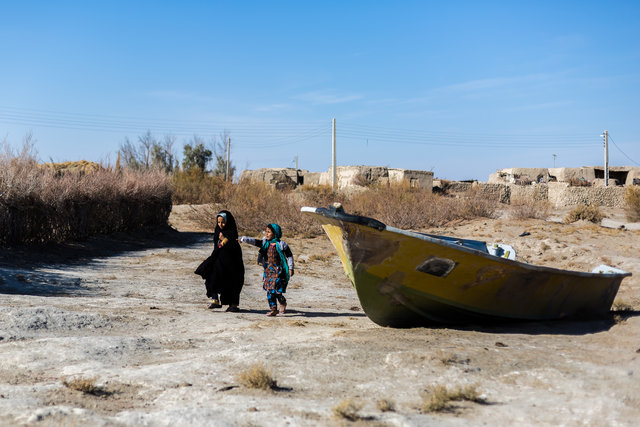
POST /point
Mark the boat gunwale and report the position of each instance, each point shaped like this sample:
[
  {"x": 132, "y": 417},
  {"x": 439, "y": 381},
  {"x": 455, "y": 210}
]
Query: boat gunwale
[{"x": 362, "y": 221}]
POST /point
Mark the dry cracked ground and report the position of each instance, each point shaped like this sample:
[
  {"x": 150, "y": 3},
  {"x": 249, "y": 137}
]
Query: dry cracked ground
[{"x": 115, "y": 331}]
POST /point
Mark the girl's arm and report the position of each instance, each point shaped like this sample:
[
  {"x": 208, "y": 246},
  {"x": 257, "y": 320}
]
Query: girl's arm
[{"x": 250, "y": 241}]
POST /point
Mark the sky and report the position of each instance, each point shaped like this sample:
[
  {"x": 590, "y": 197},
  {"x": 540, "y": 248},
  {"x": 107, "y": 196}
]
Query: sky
[{"x": 460, "y": 88}]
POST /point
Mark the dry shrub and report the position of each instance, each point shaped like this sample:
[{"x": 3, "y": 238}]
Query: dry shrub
[
  {"x": 632, "y": 207},
  {"x": 474, "y": 204},
  {"x": 81, "y": 167},
  {"x": 255, "y": 204},
  {"x": 318, "y": 195},
  {"x": 85, "y": 385},
  {"x": 257, "y": 376},
  {"x": 39, "y": 205},
  {"x": 194, "y": 186},
  {"x": 524, "y": 208},
  {"x": 402, "y": 206},
  {"x": 584, "y": 212},
  {"x": 385, "y": 405},
  {"x": 348, "y": 409},
  {"x": 439, "y": 397},
  {"x": 361, "y": 180}
]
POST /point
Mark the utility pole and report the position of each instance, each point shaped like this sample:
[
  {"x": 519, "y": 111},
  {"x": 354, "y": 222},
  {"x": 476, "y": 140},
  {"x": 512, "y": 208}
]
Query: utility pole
[
  {"x": 226, "y": 175},
  {"x": 296, "y": 162},
  {"x": 606, "y": 158},
  {"x": 554, "y": 160},
  {"x": 333, "y": 154}
]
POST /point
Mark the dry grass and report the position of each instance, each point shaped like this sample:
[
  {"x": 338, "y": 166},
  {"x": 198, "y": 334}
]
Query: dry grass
[
  {"x": 322, "y": 257},
  {"x": 348, "y": 409},
  {"x": 622, "y": 306},
  {"x": 85, "y": 385},
  {"x": 196, "y": 187},
  {"x": 632, "y": 200},
  {"x": 584, "y": 212},
  {"x": 523, "y": 208},
  {"x": 257, "y": 376},
  {"x": 256, "y": 204},
  {"x": 439, "y": 397},
  {"x": 386, "y": 405}
]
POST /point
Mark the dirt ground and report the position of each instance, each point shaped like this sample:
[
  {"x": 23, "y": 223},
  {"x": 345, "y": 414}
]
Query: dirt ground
[{"x": 126, "y": 315}]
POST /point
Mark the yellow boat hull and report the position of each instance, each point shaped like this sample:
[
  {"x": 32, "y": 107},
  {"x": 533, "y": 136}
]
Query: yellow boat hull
[{"x": 407, "y": 279}]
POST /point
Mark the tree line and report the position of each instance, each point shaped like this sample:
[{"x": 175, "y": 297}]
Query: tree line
[{"x": 150, "y": 152}]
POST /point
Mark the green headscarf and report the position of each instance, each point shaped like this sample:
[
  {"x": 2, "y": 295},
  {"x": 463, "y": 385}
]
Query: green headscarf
[{"x": 277, "y": 234}]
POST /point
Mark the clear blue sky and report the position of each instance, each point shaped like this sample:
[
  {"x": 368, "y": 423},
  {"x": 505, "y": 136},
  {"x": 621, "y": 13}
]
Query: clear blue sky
[{"x": 460, "y": 87}]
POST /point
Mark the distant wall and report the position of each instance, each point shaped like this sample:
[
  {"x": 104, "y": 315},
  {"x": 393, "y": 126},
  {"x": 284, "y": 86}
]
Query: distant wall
[
  {"x": 496, "y": 192},
  {"x": 563, "y": 195},
  {"x": 559, "y": 194},
  {"x": 618, "y": 175},
  {"x": 346, "y": 176}
]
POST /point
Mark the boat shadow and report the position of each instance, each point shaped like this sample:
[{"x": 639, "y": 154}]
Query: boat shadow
[{"x": 572, "y": 326}]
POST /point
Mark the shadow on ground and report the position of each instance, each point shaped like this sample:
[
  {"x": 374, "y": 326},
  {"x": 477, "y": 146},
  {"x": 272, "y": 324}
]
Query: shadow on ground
[
  {"x": 555, "y": 327},
  {"x": 23, "y": 269},
  {"x": 79, "y": 253}
]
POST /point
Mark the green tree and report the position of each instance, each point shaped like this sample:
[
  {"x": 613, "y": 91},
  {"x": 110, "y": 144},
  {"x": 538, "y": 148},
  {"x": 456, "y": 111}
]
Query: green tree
[{"x": 196, "y": 155}]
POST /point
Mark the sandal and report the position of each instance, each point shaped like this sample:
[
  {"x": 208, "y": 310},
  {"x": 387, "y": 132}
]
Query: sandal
[
  {"x": 272, "y": 313},
  {"x": 283, "y": 308}
]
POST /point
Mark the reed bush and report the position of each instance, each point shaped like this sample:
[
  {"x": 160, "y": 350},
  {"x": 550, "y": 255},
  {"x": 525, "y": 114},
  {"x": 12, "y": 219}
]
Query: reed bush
[
  {"x": 255, "y": 204},
  {"x": 39, "y": 205},
  {"x": 632, "y": 203}
]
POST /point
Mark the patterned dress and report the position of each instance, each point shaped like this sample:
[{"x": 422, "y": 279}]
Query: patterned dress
[{"x": 272, "y": 271}]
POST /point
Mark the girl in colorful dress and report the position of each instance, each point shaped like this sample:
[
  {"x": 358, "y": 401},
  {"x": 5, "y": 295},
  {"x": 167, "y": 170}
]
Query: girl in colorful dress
[
  {"x": 277, "y": 260},
  {"x": 223, "y": 271}
]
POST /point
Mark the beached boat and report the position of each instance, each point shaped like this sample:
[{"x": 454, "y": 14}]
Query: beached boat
[{"x": 405, "y": 278}]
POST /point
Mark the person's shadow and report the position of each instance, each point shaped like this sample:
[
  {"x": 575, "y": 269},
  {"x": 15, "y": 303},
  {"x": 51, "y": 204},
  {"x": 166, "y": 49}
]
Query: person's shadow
[{"x": 295, "y": 313}]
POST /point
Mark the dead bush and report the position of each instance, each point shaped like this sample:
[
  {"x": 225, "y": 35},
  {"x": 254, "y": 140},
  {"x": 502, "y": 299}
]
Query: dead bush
[
  {"x": 584, "y": 212},
  {"x": 385, "y": 405},
  {"x": 524, "y": 208},
  {"x": 255, "y": 204},
  {"x": 632, "y": 204},
  {"x": 194, "y": 186},
  {"x": 474, "y": 204},
  {"x": 348, "y": 409},
  {"x": 439, "y": 397},
  {"x": 257, "y": 376},
  {"x": 361, "y": 180},
  {"x": 85, "y": 385}
]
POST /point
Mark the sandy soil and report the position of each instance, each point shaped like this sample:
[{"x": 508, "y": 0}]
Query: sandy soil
[{"x": 127, "y": 314}]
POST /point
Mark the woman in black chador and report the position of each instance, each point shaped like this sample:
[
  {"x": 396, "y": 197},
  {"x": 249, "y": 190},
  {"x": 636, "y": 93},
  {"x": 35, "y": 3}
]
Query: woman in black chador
[{"x": 223, "y": 271}]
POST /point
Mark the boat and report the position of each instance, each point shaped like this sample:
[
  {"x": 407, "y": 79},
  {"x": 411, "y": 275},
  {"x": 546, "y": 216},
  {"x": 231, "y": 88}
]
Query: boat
[{"x": 405, "y": 278}]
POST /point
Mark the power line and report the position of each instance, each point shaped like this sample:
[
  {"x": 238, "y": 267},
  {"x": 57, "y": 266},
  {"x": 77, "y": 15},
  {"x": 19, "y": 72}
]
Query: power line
[
  {"x": 281, "y": 134},
  {"x": 623, "y": 153}
]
